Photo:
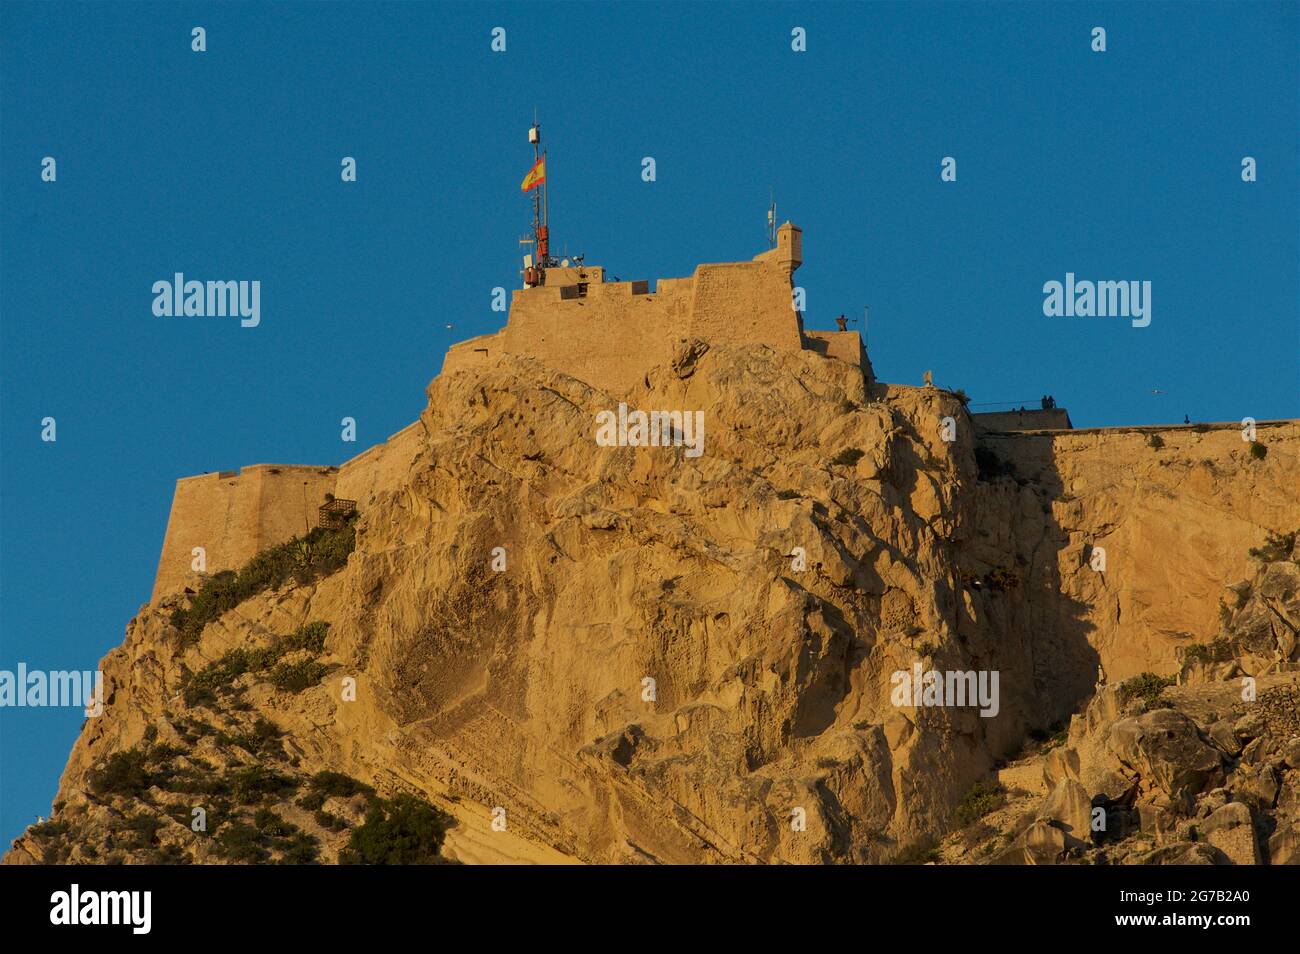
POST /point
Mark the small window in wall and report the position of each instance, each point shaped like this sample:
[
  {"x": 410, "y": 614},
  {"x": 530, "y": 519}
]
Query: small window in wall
[{"x": 582, "y": 289}]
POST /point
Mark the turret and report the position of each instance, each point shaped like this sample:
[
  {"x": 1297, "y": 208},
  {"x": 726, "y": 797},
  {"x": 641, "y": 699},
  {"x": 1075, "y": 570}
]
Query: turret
[{"x": 789, "y": 248}]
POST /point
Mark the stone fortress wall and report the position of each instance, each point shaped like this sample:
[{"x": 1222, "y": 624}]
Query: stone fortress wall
[
  {"x": 609, "y": 333},
  {"x": 233, "y": 515},
  {"x": 605, "y": 333}
]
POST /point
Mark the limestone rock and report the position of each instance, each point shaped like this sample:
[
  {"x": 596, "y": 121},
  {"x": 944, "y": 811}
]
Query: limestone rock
[
  {"x": 1069, "y": 808},
  {"x": 1232, "y": 831}
]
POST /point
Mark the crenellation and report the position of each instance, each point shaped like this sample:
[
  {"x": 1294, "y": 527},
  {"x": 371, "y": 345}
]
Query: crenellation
[{"x": 607, "y": 334}]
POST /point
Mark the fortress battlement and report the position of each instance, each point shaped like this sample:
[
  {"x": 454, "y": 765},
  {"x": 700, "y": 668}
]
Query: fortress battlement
[
  {"x": 609, "y": 333},
  {"x": 606, "y": 333}
]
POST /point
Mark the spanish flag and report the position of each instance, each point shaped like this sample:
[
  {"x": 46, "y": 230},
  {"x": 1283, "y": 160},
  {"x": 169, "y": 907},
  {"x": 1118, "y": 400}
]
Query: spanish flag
[{"x": 536, "y": 176}]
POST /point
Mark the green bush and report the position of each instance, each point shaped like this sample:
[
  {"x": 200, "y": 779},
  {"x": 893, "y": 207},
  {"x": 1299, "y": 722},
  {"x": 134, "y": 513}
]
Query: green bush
[
  {"x": 124, "y": 773},
  {"x": 1155, "y": 441},
  {"x": 1258, "y": 451},
  {"x": 271, "y": 824},
  {"x": 142, "y": 829},
  {"x": 255, "y": 783},
  {"x": 170, "y": 854},
  {"x": 338, "y": 784},
  {"x": 302, "y": 849},
  {"x": 262, "y": 739},
  {"x": 1277, "y": 546},
  {"x": 309, "y": 636},
  {"x": 404, "y": 830},
  {"x": 847, "y": 457},
  {"x": 1217, "y": 650},
  {"x": 241, "y": 842},
  {"x": 295, "y": 677},
  {"x": 318, "y": 553},
  {"x": 329, "y": 820},
  {"x": 312, "y": 801},
  {"x": 201, "y": 687},
  {"x": 1147, "y": 686},
  {"x": 979, "y": 801}
]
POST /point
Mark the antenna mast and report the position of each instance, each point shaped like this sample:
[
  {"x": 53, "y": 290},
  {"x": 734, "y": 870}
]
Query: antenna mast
[
  {"x": 541, "y": 234},
  {"x": 771, "y": 219}
]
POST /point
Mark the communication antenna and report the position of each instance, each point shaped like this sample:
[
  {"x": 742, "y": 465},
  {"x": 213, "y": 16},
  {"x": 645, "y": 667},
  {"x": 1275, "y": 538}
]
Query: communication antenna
[
  {"x": 771, "y": 219},
  {"x": 541, "y": 234}
]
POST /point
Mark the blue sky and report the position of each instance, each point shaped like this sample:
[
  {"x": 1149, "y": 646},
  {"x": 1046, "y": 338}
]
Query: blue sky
[{"x": 225, "y": 165}]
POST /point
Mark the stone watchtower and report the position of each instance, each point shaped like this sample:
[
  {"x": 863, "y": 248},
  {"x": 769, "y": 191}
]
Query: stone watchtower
[{"x": 789, "y": 249}]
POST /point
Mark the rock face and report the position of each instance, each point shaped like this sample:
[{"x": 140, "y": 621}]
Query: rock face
[{"x": 632, "y": 654}]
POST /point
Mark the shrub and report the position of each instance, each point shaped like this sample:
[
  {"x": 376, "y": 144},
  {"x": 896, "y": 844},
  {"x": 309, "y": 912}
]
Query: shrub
[
  {"x": 847, "y": 457},
  {"x": 1277, "y": 546},
  {"x": 338, "y": 784},
  {"x": 255, "y": 783},
  {"x": 295, "y": 677},
  {"x": 241, "y": 842},
  {"x": 124, "y": 773},
  {"x": 193, "y": 781},
  {"x": 269, "y": 823},
  {"x": 1258, "y": 451},
  {"x": 1218, "y": 650},
  {"x": 170, "y": 854},
  {"x": 979, "y": 801},
  {"x": 404, "y": 830},
  {"x": 1147, "y": 686},
  {"x": 309, "y": 636},
  {"x": 787, "y": 495},
  {"x": 329, "y": 820},
  {"x": 318, "y": 553},
  {"x": 143, "y": 829},
  {"x": 201, "y": 687},
  {"x": 303, "y": 849},
  {"x": 262, "y": 739},
  {"x": 312, "y": 801},
  {"x": 1155, "y": 441}
]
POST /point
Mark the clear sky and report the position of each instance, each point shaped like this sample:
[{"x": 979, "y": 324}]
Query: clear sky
[{"x": 1122, "y": 165}]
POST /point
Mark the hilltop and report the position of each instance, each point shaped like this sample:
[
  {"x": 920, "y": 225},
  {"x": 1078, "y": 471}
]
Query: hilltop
[{"x": 628, "y": 654}]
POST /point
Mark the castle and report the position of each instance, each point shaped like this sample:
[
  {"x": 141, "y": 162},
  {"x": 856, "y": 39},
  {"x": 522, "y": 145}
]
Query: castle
[
  {"x": 604, "y": 333},
  {"x": 607, "y": 334}
]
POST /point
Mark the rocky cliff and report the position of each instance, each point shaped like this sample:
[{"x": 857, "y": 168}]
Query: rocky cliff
[{"x": 629, "y": 654}]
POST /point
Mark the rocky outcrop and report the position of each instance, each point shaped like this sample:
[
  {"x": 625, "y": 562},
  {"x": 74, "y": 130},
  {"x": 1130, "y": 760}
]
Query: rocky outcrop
[{"x": 632, "y": 654}]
